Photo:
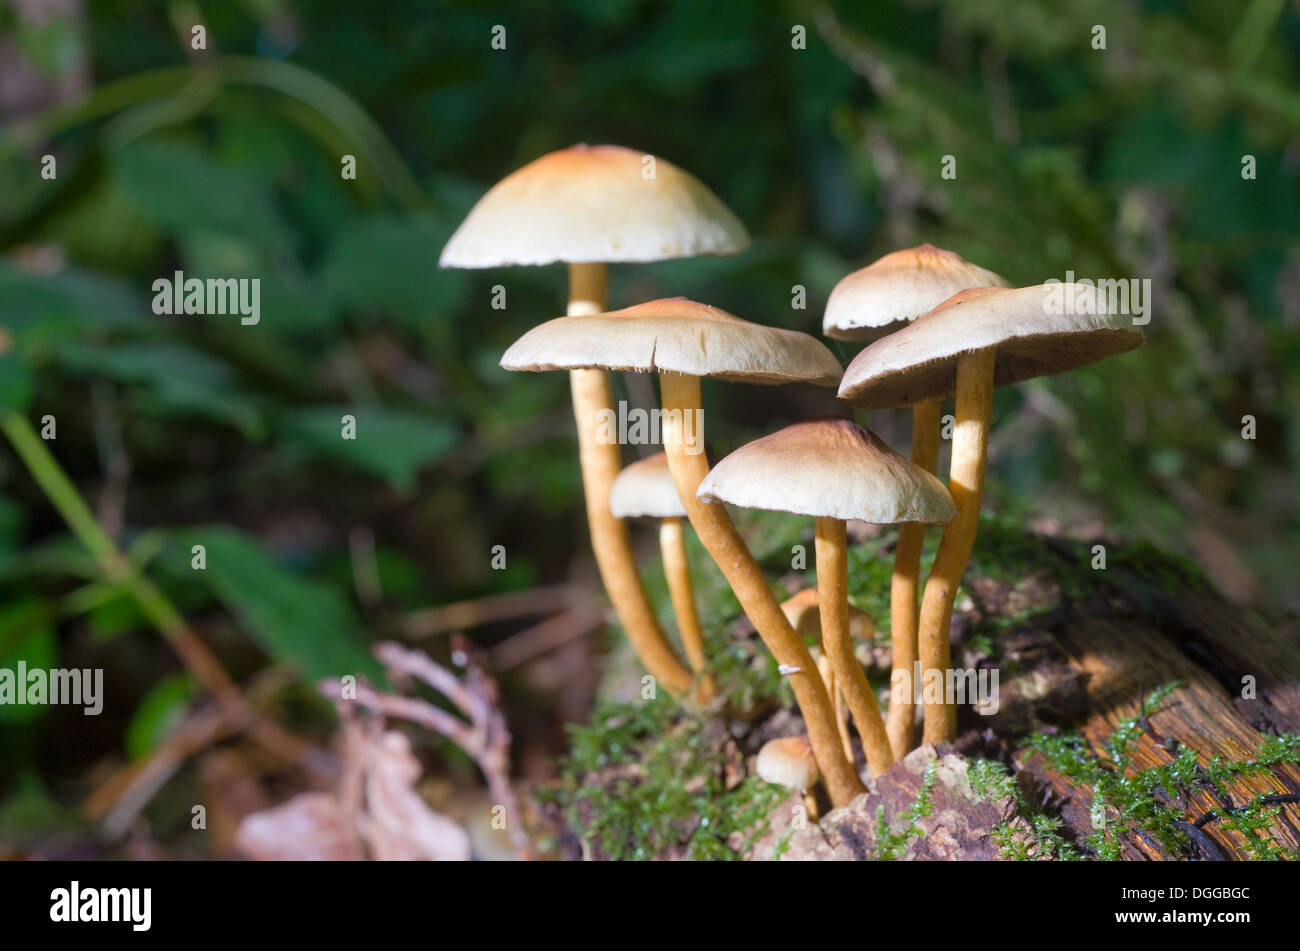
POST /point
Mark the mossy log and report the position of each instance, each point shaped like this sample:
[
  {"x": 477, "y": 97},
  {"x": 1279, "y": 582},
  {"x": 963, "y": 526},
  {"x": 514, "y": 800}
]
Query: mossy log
[
  {"x": 1135, "y": 671},
  {"x": 1086, "y": 664}
]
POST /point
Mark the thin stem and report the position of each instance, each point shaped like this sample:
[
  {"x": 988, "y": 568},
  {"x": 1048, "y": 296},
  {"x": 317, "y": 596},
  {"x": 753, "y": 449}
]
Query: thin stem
[
  {"x": 905, "y": 586},
  {"x": 600, "y": 463},
  {"x": 970, "y": 441},
  {"x": 837, "y": 702},
  {"x": 833, "y": 606},
  {"x": 677, "y": 571},
  {"x": 680, "y": 397}
]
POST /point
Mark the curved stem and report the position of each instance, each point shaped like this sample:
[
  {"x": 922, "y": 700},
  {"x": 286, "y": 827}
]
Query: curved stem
[
  {"x": 970, "y": 441},
  {"x": 833, "y": 605},
  {"x": 600, "y": 463},
  {"x": 680, "y": 396},
  {"x": 901, "y": 721},
  {"x": 677, "y": 570}
]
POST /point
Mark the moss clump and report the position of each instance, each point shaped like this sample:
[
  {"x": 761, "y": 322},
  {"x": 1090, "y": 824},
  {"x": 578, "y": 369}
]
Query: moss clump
[
  {"x": 891, "y": 841},
  {"x": 992, "y": 780},
  {"x": 645, "y": 780},
  {"x": 1126, "y": 800}
]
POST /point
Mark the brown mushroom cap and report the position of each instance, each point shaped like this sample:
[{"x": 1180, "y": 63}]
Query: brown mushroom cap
[
  {"x": 677, "y": 335},
  {"x": 805, "y": 616},
  {"x": 1024, "y": 325},
  {"x": 592, "y": 203},
  {"x": 645, "y": 489},
  {"x": 830, "y": 468},
  {"x": 787, "y": 762},
  {"x": 901, "y": 286}
]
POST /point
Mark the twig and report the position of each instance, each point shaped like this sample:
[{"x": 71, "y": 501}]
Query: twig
[
  {"x": 461, "y": 615},
  {"x": 486, "y": 738},
  {"x": 547, "y": 636}
]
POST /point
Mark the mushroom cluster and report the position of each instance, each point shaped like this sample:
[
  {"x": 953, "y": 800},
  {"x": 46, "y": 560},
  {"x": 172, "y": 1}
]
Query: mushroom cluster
[{"x": 963, "y": 332}]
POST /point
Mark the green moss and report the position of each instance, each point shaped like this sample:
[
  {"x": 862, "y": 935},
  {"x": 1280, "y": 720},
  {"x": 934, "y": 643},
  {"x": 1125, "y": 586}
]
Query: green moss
[
  {"x": 645, "y": 779},
  {"x": 1126, "y": 800},
  {"x": 891, "y": 841},
  {"x": 992, "y": 781}
]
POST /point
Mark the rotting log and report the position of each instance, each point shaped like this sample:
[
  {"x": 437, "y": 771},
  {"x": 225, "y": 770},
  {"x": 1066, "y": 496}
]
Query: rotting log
[{"x": 1077, "y": 650}]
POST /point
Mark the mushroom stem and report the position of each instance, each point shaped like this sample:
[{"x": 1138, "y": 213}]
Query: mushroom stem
[
  {"x": 900, "y": 722},
  {"x": 600, "y": 463},
  {"x": 970, "y": 441},
  {"x": 833, "y": 605},
  {"x": 837, "y": 702},
  {"x": 677, "y": 571},
  {"x": 680, "y": 396}
]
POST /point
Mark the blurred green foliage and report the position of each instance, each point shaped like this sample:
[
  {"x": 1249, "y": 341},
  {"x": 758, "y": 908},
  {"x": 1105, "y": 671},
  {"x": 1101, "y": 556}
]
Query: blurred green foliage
[{"x": 1119, "y": 162}]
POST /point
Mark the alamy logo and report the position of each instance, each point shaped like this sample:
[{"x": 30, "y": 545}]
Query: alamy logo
[
  {"x": 215, "y": 297},
  {"x": 60, "y": 687},
  {"x": 134, "y": 905},
  {"x": 1128, "y": 295},
  {"x": 955, "y": 686},
  {"x": 639, "y": 427}
]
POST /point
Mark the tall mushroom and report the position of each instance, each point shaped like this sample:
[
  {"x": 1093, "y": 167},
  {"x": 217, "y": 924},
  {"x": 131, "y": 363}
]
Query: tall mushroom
[
  {"x": 974, "y": 341},
  {"x": 645, "y": 489},
  {"x": 865, "y": 305},
  {"x": 587, "y": 206},
  {"x": 683, "y": 341},
  {"x": 834, "y": 470}
]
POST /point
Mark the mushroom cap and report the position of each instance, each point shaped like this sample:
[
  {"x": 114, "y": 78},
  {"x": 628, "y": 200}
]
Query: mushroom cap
[
  {"x": 592, "y": 203},
  {"x": 804, "y": 614},
  {"x": 901, "y": 286},
  {"x": 677, "y": 335},
  {"x": 788, "y": 762},
  {"x": 646, "y": 489},
  {"x": 1027, "y": 326},
  {"x": 830, "y": 468}
]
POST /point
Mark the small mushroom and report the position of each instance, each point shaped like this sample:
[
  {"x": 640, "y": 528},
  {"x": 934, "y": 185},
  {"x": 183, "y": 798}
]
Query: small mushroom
[
  {"x": 972, "y": 342},
  {"x": 834, "y": 470},
  {"x": 645, "y": 489},
  {"x": 587, "y": 205},
  {"x": 682, "y": 341},
  {"x": 865, "y": 305},
  {"x": 789, "y": 762}
]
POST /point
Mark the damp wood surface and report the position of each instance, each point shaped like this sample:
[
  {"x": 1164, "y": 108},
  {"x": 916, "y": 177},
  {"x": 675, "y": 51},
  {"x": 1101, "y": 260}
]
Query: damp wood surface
[{"x": 1085, "y": 665}]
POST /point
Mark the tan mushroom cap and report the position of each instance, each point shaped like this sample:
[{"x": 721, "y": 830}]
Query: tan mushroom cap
[
  {"x": 645, "y": 489},
  {"x": 787, "y": 762},
  {"x": 592, "y": 203},
  {"x": 677, "y": 335},
  {"x": 805, "y": 616},
  {"x": 901, "y": 286},
  {"x": 1027, "y": 326},
  {"x": 830, "y": 468}
]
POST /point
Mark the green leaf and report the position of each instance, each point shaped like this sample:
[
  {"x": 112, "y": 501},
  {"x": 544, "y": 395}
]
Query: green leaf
[
  {"x": 390, "y": 444},
  {"x": 27, "y": 635},
  {"x": 50, "y": 308},
  {"x": 184, "y": 381},
  {"x": 390, "y": 265},
  {"x": 157, "y": 714},
  {"x": 15, "y": 383},
  {"x": 187, "y": 192},
  {"x": 295, "y": 619}
]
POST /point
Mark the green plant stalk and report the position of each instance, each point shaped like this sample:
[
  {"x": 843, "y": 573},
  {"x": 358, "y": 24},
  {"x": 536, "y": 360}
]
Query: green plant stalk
[{"x": 155, "y": 605}]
